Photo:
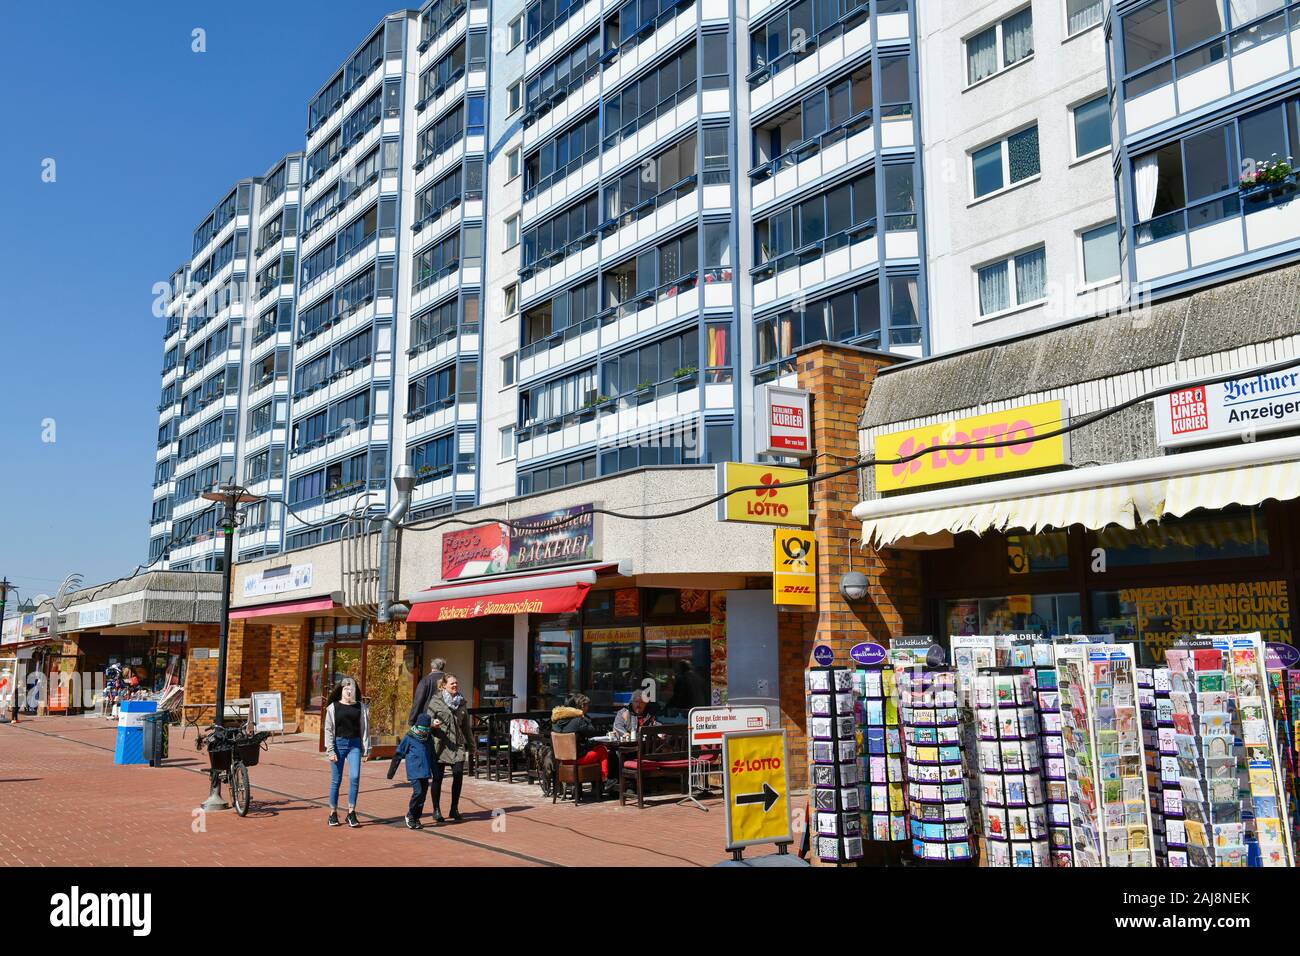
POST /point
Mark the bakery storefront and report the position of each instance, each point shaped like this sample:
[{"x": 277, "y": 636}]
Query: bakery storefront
[
  {"x": 564, "y": 600},
  {"x": 1150, "y": 520}
]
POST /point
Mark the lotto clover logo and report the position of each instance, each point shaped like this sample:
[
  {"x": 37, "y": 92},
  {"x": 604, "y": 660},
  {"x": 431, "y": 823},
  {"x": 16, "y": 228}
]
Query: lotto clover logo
[
  {"x": 738, "y": 766},
  {"x": 769, "y": 489}
]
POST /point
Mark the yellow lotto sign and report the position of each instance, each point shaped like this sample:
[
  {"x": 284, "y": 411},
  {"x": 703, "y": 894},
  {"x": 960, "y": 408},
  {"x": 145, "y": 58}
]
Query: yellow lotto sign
[
  {"x": 794, "y": 567},
  {"x": 756, "y": 788},
  {"x": 769, "y": 501},
  {"x": 972, "y": 459}
]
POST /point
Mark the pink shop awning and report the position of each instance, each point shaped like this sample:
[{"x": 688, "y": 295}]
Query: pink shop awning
[{"x": 284, "y": 607}]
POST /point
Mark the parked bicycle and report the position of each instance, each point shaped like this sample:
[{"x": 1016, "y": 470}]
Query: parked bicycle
[{"x": 231, "y": 751}]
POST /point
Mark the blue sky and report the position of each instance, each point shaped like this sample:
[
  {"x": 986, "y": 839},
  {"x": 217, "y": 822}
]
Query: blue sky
[{"x": 146, "y": 136}]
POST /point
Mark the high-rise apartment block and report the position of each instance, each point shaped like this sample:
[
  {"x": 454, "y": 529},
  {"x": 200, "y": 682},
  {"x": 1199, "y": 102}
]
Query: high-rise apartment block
[{"x": 527, "y": 245}]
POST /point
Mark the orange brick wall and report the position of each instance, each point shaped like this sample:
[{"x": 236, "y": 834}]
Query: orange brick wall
[{"x": 839, "y": 379}]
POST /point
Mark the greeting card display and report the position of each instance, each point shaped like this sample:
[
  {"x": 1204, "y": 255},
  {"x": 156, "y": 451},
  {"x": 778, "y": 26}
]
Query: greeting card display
[
  {"x": 1013, "y": 797},
  {"x": 884, "y": 798},
  {"x": 1047, "y": 699},
  {"x": 1102, "y": 737},
  {"x": 1230, "y": 770},
  {"x": 1149, "y": 718},
  {"x": 938, "y": 800},
  {"x": 833, "y": 749}
]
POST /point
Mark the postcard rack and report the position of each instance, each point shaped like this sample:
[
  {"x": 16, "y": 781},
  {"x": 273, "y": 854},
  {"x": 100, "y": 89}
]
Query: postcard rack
[
  {"x": 1013, "y": 799},
  {"x": 884, "y": 798},
  {"x": 833, "y": 756},
  {"x": 938, "y": 799},
  {"x": 1147, "y": 717},
  {"x": 1102, "y": 738}
]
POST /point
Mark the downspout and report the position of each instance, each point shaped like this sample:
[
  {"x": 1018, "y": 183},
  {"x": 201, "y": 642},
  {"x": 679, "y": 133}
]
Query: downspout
[{"x": 404, "y": 479}]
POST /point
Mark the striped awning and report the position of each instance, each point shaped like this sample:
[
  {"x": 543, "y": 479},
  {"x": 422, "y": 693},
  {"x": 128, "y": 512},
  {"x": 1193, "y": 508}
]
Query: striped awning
[
  {"x": 1123, "y": 505},
  {"x": 1096, "y": 507}
]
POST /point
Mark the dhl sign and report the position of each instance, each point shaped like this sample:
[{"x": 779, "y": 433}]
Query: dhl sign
[
  {"x": 994, "y": 444},
  {"x": 794, "y": 568}
]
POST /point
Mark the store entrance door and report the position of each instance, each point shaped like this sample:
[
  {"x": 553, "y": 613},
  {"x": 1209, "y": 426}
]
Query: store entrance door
[
  {"x": 341, "y": 660},
  {"x": 459, "y": 655}
]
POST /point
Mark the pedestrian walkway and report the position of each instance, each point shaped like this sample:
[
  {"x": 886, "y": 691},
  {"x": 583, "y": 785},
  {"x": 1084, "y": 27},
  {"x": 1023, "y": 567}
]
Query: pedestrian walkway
[{"x": 64, "y": 802}]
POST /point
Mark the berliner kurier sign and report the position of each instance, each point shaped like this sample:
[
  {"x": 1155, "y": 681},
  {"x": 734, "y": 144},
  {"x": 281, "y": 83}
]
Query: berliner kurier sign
[{"x": 1236, "y": 409}]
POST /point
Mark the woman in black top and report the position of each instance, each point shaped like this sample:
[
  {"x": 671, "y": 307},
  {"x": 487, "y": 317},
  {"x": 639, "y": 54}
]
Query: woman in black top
[{"x": 347, "y": 741}]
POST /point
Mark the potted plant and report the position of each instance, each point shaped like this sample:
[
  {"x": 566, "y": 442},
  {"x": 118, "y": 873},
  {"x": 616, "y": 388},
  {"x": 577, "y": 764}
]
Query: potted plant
[{"x": 1273, "y": 176}]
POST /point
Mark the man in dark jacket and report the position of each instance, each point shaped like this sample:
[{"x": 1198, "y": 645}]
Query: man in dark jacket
[{"x": 427, "y": 687}]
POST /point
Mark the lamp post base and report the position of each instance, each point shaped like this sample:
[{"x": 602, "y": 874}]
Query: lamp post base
[{"x": 214, "y": 801}]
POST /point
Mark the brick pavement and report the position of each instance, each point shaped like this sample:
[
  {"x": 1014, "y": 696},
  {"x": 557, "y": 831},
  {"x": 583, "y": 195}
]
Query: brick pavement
[{"x": 64, "y": 802}]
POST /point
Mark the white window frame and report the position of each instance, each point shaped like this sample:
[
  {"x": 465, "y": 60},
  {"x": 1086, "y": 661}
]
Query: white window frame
[
  {"x": 508, "y": 371},
  {"x": 515, "y": 97},
  {"x": 514, "y": 163},
  {"x": 1082, "y": 264},
  {"x": 1007, "y": 184},
  {"x": 516, "y": 31},
  {"x": 1074, "y": 129},
  {"x": 512, "y": 231},
  {"x": 1009, "y": 263},
  {"x": 510, "y": 300},
  {"x": 1065, "y": 20},
  {"x": 967, "y": 83},
  {"x": 502, "y": 433}
]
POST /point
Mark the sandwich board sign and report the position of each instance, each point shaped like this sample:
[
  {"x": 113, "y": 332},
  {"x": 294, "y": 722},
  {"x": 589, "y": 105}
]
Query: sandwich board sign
[
  {"x": 267, "y": 711},
  {"x": 756, "y": 788}
]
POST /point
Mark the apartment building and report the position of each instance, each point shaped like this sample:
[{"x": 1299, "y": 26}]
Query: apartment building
[
  {"x": 1206, "y": 116},
  {"x": 1021, "y": 227}
]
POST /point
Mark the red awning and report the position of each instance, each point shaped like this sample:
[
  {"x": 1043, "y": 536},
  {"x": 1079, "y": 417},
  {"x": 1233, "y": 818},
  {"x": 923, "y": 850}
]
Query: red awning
[
  {"x": 561, "y": 600},
  {"x": 284, "y": 607}
]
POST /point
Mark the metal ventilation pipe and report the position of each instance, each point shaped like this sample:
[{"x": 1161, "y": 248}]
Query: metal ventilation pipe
[{"x": 404, "y": 479}]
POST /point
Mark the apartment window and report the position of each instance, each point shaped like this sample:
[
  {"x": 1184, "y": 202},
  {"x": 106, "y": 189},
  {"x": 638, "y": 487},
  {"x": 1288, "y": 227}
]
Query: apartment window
[
  {"x": 1013, "y": 282},
  {"x": 1005, "y": 162},
  {"x": 1082, "y": 14},
  {"x": 516, "y": 96},
  {"x": 1091, "y": 126},
  {"x": 514, "y": 163},
  {"x": 510, "y": 299},
  {"x": 1004, "y": 44},
  {"x": 1100, "y": 248},
  {"x": 507, "y": 439},
  {"x": 512, "y": 232},
  {"x": 516, "y": 31},
  {"x": 508, "y": 371}
]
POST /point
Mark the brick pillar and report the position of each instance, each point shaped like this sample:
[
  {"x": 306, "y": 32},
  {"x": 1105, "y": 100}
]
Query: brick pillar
[
  {"x": 839, "y": 378},
  {"x": 235, "y": 660},
  {"x": 201, "y": 672}
]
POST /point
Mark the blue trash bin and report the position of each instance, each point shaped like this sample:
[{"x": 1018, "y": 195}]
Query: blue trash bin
[{"x": 130, "y": 730}]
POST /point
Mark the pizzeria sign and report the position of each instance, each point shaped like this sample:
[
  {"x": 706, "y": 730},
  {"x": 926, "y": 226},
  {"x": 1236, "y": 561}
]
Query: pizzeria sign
[{"x": 564, "y": 536}]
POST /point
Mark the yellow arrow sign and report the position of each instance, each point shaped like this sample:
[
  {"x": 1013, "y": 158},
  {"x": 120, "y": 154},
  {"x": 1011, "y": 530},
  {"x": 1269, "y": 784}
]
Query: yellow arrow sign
[{"x": 756, "y": 788}]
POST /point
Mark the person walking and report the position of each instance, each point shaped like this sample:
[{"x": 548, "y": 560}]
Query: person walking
[
  {"x": 452, "y": 739},
  {"x": 427, "y": 688},
  {"x": 416, "y": 749},
  {"x": 347, "y": 742}
]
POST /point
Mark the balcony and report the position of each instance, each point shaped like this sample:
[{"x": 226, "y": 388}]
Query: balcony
[
  {"x": 1257, "y": 53},
  {"x": 829, "y": 49},
  {"x": 1229, "y": 229},
  {"x": 651, "y": 40},
  {"x": 550, "y": 113},
  {"x": 578, "y": 18},
  {"x": 833, "y": 258},
  {"x": 572, "y": 180},
  {"x": 813, "y": 160}
]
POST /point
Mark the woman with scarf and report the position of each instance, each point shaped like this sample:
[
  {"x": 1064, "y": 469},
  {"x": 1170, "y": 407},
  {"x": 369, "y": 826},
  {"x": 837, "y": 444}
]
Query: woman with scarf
[{"x": 452, "y": 739}]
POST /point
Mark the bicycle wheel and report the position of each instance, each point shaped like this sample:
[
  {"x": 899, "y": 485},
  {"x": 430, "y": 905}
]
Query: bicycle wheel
[{"x": 239, "y": 789}]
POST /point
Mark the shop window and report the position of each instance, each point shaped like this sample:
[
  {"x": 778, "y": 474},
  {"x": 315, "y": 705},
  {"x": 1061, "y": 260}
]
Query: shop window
[
  {"x": 1217, "y": 536},
  {"x": 612, "y": 666},
  {"x": 665, "y": 604},
  {"x": 1153, "y": 617},
  {"x": 1034, "y": 553},
  {"x": 1043, "y": 614},
  {"x": 677, "y": 665}
]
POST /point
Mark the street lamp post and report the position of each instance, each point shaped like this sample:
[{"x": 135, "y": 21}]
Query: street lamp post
[{"x": 231, "y": 496}]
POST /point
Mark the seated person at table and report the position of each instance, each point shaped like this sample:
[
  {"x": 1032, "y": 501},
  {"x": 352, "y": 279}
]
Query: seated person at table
[
  {"x": 571, "y": 718},
  {"x": 635, "y": 715}
]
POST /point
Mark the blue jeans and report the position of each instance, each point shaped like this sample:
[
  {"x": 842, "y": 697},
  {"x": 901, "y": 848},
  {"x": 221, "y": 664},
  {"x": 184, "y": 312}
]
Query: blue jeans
[{"x": 348, "y": 751}]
